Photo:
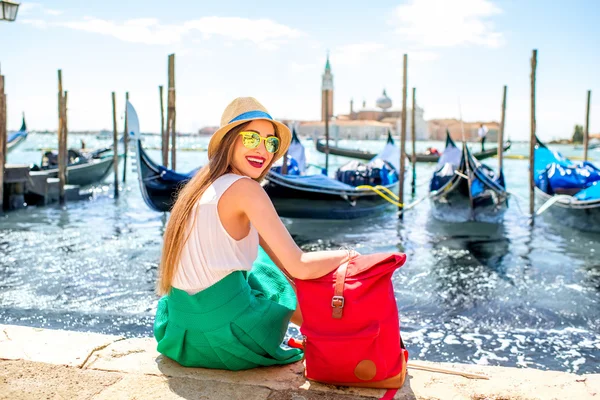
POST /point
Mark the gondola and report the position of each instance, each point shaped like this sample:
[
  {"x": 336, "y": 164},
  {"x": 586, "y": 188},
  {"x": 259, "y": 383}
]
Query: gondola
[
  {"x": 321, "y": 197},
  {"x": 16, "y": 138},
  {"x": 463, "y": 189},
  {"x": 295, "y": 196},
  {"x": 592, "y": 145},
  {"x": 83, "y": 169},
  {"x": 570, "y": 192},
  {"x": 159, "y": 185},
  {"x": 429, "y": 158}
]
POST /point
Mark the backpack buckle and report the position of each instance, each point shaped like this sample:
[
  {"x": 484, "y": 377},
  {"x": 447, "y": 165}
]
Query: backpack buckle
[{"x": 337, "y": 302}]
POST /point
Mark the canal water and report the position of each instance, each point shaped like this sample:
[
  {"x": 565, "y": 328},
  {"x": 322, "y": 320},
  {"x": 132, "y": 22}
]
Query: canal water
[{"x": 507, "y": 294}]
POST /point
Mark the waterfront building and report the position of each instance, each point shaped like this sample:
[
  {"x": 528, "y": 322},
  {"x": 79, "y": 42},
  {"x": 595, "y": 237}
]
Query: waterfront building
[{"x": 437, "y": 130}]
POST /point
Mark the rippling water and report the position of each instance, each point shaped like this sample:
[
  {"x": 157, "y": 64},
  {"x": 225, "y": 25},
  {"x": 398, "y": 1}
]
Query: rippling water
[{"x": 504, "y": 294}]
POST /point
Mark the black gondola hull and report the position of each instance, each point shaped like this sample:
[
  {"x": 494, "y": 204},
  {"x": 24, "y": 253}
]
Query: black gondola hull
[
  {"x": 455, "y": 201},
  {"x": 455, "y": 205},
  {"x": 162, "y": 197},
  {"x": 158, "y": 193},
  {"x": 298, "y": 203},
  {"x": 428, "y": 158}
]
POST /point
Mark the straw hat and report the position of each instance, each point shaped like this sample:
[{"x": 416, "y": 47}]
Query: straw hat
[{"x": 244, "y": 109}]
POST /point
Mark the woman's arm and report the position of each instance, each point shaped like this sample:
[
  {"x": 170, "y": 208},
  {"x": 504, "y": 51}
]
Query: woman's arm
[
  {"x": 249, "y": 198},
  {"x": 274, "y": 258}
]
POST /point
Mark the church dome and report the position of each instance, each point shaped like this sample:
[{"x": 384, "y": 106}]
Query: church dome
[{"x": 384, "y": 102}]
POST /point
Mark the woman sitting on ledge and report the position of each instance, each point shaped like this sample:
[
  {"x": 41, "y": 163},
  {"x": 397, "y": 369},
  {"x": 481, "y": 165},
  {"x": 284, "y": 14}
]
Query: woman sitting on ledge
[{"x": 221, "y": 306}]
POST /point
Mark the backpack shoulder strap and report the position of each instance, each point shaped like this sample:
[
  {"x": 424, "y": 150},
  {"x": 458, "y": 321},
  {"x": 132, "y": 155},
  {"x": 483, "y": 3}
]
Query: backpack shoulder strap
[{"x": 337, "y": 301}]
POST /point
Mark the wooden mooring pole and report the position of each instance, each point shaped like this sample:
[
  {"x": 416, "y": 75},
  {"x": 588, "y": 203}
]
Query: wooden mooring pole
[
  {"x": 4, "y": 123},
  {"x": 125, "y": 139},
  {"x": 115, "y": 143},
  {"x": 414, "y": 145},
  {"x": 532, "y": 140},
  {"x": 284, "y": 166},
  {"x": 163, "y": 132},
  {"x": 402, "y": 142},
  {"x": 62, "y": 156},
  {"x": 171, "y": 112},
  {"x": 2, "y": 141},
  {"x": 327, "y": 131},
  {"x": 501, "y": 132},
  {"x": 586, "y": 133},
  {"x": 65, "y": 136}
]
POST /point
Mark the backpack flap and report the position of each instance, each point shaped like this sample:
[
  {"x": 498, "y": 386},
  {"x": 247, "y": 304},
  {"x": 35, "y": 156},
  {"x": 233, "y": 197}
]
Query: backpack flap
[
  {"x": 375, "y": 264},
  {"x": 361, "y": 268}
]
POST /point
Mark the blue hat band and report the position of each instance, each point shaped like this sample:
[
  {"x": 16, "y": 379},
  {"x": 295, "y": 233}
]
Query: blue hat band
[{"x": 252, "y": 115}]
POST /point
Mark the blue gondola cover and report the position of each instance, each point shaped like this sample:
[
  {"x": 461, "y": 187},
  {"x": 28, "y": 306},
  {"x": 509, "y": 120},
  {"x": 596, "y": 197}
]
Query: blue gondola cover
[
  {"x": 292, "y": 165},
  {"x": 591, "y": 193},
  {"x": 554, "y": 173},
  {"x": 376, "y": 172}
]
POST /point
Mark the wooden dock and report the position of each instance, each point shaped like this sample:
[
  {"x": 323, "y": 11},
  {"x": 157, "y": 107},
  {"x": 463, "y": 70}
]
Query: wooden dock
[{"x": 23, "y": 188}]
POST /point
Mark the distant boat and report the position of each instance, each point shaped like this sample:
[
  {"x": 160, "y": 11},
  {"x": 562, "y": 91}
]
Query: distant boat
[
  {"x": 570, "y": 191},
  {"x": 83, "y": 169},
  {"x": 592, "y": 144},
  {"x": 422, "y": 157},
  {"x": 104, "y": 134},
  {"x": 16, "y": 138},
  {"x": 107, "y": 135},
  {"x": 463, "y": 189}
]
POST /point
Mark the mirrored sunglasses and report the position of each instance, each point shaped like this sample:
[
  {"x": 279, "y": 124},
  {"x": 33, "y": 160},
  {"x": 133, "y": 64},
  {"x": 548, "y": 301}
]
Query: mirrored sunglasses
[{"x": 251, "y": 140}]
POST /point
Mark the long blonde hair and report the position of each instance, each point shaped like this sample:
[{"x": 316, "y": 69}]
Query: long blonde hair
[{"x": 175, "y": 237}]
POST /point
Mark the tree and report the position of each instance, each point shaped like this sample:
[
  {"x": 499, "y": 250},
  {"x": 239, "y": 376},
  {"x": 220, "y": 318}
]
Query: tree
[{"x": 578, "y": 134}]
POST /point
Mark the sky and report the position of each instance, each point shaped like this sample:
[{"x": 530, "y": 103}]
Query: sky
[{"x": 460, "y": 55}]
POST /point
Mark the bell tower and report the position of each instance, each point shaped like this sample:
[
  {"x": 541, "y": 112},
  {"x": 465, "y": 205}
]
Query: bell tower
[{"x": 327, "y": 91}]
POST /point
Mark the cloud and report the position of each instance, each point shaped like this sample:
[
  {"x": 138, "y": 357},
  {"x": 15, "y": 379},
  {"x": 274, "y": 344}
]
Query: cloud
[
  {"x": 367, "y": 52},
  {"x": 141, "y": 30},
  {"x": 259, "y": 31},
  {"x": 29, "y": 8},
  {"x": 300, "y": 68},
  {"x": 264, "y": 33},
  {"x": 423, "y": 55},
  {"x": 397, "y": 55},
  {"x": 38, "y": 23},
  {"x": 355, "y": 53},
  {"x": 442, "y": 23}
]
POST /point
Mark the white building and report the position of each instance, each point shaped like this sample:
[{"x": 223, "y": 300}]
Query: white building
[{"x": 346, "y": 129}]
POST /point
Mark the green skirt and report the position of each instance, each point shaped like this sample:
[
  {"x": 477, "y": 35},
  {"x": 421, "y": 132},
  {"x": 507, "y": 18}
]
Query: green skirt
[{"x": 237, "y": 323}]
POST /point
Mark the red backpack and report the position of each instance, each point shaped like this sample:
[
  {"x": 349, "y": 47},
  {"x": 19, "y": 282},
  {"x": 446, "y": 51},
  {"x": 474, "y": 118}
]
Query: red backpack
[{"x": 351, "y": 325}]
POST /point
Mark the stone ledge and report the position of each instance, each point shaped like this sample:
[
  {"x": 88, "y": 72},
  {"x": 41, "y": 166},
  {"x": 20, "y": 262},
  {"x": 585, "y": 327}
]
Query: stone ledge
[
  {"x": 21, "y": 379},
  {"x": 137, "y": 370},
  {"x": 50, "y": 346}
]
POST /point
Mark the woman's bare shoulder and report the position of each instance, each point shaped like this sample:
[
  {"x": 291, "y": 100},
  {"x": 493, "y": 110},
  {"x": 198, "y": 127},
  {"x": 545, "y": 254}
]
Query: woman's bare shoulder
[
  {"x": 246, "y": 185},
  {"x": 246, "y": 189}
]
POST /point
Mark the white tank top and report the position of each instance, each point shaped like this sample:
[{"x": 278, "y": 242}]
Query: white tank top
[{"x": 210, "y": 254}]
